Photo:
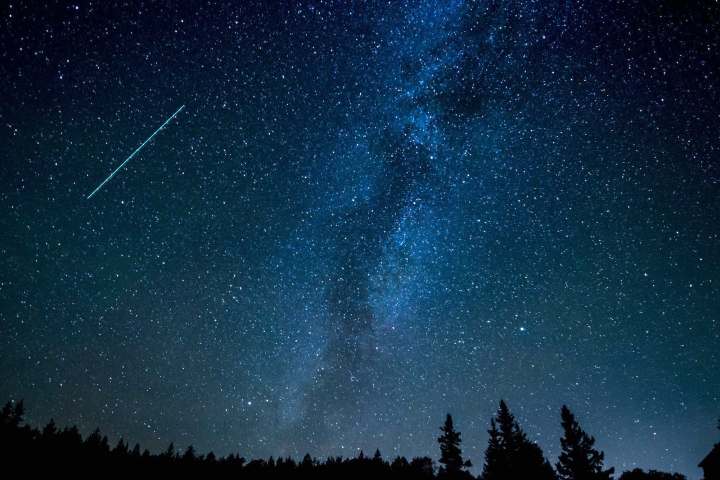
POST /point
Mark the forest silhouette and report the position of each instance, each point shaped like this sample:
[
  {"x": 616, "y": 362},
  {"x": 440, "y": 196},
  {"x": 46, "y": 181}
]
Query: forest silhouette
[{"x": 509, "y": 455}]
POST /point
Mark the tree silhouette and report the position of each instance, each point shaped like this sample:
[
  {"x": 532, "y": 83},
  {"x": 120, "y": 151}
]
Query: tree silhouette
[
  {"x": 422, "y": 468},
  {"x": 97, "y": 444},
  {"x": 189, "y": 455},
  {"x": 450, "y": 452},
  {"x": 11, "y": 415},
  {"x": 121, "y": 448},
  {"x": 170, "y": 451},
  {"x": 50, "y": 430},
  {"x": 639, "y": 474},
  {"x": 377, "y": 457},
  {"x": 578, "y": 459},
  {"x": 510, "y": 455},
  {"x": 495, "y": 465}
]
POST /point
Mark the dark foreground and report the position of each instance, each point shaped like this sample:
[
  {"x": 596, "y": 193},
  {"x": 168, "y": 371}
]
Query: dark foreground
[{"x": 509, "y": 456}]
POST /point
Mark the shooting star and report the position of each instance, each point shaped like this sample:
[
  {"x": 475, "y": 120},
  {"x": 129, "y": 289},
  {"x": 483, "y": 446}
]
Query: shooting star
[{"x": 134, "y": 153}]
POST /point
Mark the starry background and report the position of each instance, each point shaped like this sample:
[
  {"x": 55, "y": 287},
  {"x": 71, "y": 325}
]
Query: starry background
[{"x": 368, "y": 214}]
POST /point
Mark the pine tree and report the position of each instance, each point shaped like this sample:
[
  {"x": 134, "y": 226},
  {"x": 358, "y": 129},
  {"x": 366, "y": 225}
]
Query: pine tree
[
  {"x": 121, "y": 448},
  {"x": 495, "y": 462},
  {"x": 12, "y": 414},
  {"x": 377, "y": 457},
  {"x": 50, "y": 430},
  {"x": 510, "y": 454},
  {"x": 578, "y": 459},
  {"x": 450, "y": 452},
  {"x": 399, "y": 466},
  {"x": 170, "y": 451},
  {"x": 189, "y": 455},
  {"x": 422, "y": 467}
]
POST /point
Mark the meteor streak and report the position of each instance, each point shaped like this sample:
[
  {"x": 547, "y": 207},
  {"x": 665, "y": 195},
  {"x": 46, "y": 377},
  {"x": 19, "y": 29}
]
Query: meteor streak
[{"x": 134, "y": 153}]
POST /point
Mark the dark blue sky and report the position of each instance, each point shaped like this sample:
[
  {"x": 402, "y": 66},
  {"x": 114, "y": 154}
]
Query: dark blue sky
[{"x": 368, "y": 214}]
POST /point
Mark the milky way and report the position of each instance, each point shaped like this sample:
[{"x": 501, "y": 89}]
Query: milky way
[{"x": 372, "y": 214}]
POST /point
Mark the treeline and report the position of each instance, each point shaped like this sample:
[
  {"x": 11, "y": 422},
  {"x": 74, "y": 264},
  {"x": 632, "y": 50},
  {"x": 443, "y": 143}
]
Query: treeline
[{"x": 510, "y": 455}]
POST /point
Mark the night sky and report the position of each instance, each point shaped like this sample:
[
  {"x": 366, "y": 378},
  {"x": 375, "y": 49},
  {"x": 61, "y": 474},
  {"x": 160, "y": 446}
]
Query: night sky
[{"x": 367, "y": 215}]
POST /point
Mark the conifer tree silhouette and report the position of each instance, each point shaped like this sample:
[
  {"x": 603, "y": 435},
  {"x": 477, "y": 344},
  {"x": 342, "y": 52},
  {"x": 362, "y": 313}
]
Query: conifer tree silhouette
[
  {"x": 422, "y": 467},
  {"x": 170, "y": 452},
  {"x": 121, "y": 449},
  {"x": 510, "y": 455},
  {"x": 639, "y": 474},
  {"x": 11, "y": 415},
  {"x": 307, "y": 463},
  {"x": 96, "y": 443},
  {"x": 50, "y": 430},
  {"x": 579, "y": 460},
  {"x": 495, "y": 465},
  {"x": 450, "y": 452},
  {"x": 189, "y": 455}
]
